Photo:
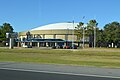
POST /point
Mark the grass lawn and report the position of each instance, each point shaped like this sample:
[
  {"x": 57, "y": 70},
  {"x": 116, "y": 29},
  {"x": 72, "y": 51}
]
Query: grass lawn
[{"x": 99, "y": 57}]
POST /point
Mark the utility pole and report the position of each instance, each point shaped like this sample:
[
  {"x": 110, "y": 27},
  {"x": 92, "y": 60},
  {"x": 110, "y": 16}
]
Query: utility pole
[
  {"x": 83, "y": 33},
  {"x": 83, "y": 37},
  {"x": 94, "y": 36},
  {"x": 73, "y": 36}
]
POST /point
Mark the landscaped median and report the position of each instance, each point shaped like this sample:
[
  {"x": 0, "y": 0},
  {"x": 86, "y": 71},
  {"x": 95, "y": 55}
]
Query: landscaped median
[{"x": 100, "y": 57}]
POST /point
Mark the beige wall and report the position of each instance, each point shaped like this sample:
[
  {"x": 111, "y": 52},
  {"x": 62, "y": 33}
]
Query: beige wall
[
  {"x": 49, "y": 36},
  {"x": 71, "y": 37},
  {"x": 60, "y": 34},
  {"x": 60, "y": 37}
]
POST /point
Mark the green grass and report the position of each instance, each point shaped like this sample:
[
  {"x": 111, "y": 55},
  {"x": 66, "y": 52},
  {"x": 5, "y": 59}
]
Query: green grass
[{"x": 103, "y": 57}]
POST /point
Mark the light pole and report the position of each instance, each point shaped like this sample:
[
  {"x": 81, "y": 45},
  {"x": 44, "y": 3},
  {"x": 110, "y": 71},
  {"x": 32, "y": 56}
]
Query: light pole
[
  {"x": 73, "y": 36},
  {"x": 83, "y": 32},
  {"x": 94, "y": 36},
  {"x": 67, "y": 34},
  {"x": 72, "y": 33},
  {"x": 83, "y": 36}
]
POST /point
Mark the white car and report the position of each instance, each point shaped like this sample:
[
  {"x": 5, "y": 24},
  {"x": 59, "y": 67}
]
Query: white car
[{"x": 25, "y": 46}]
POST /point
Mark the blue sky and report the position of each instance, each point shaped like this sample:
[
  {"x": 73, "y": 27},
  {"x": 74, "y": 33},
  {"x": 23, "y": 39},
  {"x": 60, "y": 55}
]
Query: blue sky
[{"x": 27, "y": 14}]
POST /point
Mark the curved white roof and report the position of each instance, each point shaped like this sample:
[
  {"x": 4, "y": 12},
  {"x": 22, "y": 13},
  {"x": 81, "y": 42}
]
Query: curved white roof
[{"x": 57, "y": 26}]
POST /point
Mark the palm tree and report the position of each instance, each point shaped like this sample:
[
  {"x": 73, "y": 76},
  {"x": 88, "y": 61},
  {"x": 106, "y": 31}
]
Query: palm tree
[
  {"x": 79, "y": 30},
  {"x": 28, "y": 34},
  {"x": 91, "y": 31}
]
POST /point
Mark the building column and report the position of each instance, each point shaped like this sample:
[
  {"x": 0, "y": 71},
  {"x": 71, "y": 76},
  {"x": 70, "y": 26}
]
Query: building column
[
  {"x": 21, "y": 38},
  {"x": 31, "y": 43},
  {"x": 18, "y": 44},
  {"x": 46, "y": 44},
  {"x": 38, "y": 44},
  {"x": 55, "y": 43}
]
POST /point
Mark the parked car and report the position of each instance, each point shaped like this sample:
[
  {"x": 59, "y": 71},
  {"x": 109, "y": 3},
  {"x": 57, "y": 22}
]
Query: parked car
[
  {"x": 74, "y": 47},
  {"x": 66, "y": 47},
  {"x": 53, "y": 47},
  {"x": 70, "y": 47},
  {"x": 60, "y": 46},
  {"x": 57, "y": 47},
  {"x": 27, "y": 46}
]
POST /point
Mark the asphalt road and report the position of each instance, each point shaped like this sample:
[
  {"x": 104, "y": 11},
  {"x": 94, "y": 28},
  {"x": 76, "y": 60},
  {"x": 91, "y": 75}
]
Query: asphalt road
[
  {"x": 27, "y": 75},
  {"x": 23, "y": 71}
]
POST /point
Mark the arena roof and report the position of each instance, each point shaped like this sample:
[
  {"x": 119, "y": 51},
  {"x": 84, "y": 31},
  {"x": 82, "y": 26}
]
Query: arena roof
[{"x": 57, "y": 26}]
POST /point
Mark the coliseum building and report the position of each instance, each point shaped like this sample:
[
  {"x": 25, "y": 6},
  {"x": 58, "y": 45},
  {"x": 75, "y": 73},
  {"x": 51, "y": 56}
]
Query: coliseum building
[{"x": 50, "y": 35}]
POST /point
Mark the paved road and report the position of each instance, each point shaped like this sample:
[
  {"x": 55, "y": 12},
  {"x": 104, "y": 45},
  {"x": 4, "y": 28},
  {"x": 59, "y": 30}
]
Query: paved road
[
  {"x": 23, "y": 71},
  {"x": 26, "y": 75}
]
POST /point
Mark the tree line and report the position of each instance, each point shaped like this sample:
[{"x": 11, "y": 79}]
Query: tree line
[
  {"x": 5, "y": 28},
  {"x": 109, "y": 36}
]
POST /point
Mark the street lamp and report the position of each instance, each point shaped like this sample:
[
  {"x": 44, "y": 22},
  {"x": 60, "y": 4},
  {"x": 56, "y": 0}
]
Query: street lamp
[
  {"x": 94, "y": 36},
  {"x": 83, "y": 27},
  {"x": 83, "y": 32},
  {"x": 73, "y": 36}
]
